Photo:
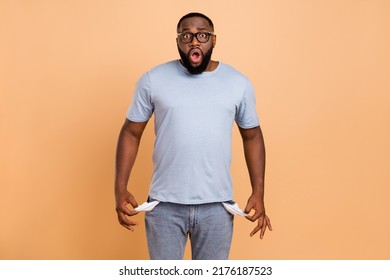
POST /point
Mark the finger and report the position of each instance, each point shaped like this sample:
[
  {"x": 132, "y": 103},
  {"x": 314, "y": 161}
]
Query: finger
[
  {"x": 133, "y": 202},
  {"x": 129, "y": 224},
  {"x": 248, "y": 207},
  {"x": 127, "y": 211},
  {"x": 268, "y": 223},
  {"x": 128, "y": 227},
  {"x": 262, "y": 232},
  {"x": 131, "y": 228},
  {"x": 255, "y": 230},
  {"x": 257, "y": 215},
  {"x": 251, "y": 218},
  {"x": 124, "y": 220},
  {"x": 132, "y": 212}
]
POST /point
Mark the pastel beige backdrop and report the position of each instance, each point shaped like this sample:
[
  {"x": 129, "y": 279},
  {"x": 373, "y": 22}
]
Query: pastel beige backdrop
[{"x": 321, "y": 74}]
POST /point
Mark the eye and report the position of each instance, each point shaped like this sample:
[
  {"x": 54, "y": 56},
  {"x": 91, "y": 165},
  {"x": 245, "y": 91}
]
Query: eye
[
  {"x": 186, "y": 36},
  {"x": 202, "y": 35}
]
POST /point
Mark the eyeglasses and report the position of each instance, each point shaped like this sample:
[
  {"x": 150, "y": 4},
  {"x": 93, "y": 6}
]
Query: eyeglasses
[{"x": 202, "y": 37}]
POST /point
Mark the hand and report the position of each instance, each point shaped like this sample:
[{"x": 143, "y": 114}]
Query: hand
[
  {"x": 122, "y": 200},
  {"x": 255, "y": 203}
]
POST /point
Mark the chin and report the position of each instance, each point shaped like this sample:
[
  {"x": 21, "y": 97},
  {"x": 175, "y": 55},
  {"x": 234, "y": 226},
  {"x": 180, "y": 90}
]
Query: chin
[{"x": 200, "y": 67}]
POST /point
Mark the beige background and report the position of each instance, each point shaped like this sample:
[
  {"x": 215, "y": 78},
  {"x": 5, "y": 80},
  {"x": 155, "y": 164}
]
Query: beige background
[{"x": 321, "y": 74}]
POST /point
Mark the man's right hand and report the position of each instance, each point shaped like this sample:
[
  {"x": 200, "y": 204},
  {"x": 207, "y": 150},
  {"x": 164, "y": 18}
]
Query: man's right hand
[{"x": 123, "y": 199}]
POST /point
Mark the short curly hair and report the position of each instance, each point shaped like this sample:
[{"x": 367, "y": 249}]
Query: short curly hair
[{"x": 196, "y": 15}]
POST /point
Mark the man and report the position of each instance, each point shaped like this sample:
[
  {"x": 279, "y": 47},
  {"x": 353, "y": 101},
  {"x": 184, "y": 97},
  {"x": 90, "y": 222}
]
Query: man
[{"x": 195, "y": 101}]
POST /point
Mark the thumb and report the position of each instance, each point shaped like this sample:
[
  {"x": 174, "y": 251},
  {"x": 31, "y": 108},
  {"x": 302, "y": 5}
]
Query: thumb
[
  {"x": 132, "y": 201},
  {"x": 249, "y": 207}
]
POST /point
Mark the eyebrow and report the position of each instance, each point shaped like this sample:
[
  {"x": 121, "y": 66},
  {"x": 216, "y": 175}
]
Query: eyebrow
[{"x": 188, "y": 28}]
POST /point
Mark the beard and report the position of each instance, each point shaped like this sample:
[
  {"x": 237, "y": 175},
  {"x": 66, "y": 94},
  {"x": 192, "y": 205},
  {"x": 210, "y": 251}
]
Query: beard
[{"x": 195, "y": 70}]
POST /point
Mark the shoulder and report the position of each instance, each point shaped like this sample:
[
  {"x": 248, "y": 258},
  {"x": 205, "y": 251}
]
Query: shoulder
[
  {"x": 161, "y": 72},
  {"x": 232, "y": 72},
  {"x": 170, "y": 66},
  {"x": 158, "y": 72}
]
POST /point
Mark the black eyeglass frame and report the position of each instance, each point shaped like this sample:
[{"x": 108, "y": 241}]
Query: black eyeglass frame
[{"x": 196, "y": 36}]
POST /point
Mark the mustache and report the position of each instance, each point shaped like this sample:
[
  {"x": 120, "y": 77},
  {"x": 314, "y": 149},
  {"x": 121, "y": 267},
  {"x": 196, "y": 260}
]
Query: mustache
[{"x": 194, "y": 50}]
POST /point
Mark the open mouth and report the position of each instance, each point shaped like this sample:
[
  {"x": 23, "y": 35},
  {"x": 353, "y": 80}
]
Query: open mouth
[{"x": 195, "y": 56}]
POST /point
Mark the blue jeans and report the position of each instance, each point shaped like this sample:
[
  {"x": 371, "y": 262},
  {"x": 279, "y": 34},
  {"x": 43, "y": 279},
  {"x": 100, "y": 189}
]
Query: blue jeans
[{"x": 208, "y": 226}]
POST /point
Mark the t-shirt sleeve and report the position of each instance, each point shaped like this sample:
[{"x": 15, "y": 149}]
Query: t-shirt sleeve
[
  {"x": 246, "y": 116},
  {"x": 142, "y": 107}
]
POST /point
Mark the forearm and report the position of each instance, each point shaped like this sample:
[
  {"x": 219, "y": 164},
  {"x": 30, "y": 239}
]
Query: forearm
[
  {"x": 255, "y": 159},
  {"x": 254, "y": 151},
  {"x": 127, "y": 149},
  {"x": 125, "y": 157}
]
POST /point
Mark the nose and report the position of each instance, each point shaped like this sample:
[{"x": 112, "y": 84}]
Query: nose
[{"x": 194, "y": 42}]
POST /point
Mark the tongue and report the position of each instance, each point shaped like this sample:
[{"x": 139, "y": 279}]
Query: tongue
[{"x": 195, "y": 57}]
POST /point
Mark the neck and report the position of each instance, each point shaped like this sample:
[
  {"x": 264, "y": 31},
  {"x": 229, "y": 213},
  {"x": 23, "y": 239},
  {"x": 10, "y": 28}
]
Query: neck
[{"x": 212, "y": 66}]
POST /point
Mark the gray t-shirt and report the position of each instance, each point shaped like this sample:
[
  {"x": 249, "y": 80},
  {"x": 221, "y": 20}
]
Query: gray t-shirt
[{"x": 193, "y": 120}]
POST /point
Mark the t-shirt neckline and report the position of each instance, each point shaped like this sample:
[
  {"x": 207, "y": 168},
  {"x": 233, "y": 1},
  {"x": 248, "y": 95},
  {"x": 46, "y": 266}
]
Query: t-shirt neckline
[{"x": 205, "y": 74}]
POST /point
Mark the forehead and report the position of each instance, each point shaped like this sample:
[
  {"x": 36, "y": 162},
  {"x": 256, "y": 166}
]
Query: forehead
[{"x": 197, "y": 23}]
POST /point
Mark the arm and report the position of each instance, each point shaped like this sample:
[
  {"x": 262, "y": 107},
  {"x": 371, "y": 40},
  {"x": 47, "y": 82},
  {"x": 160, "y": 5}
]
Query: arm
[
  {"x": 127, "y": 148},
  {"x": 254, "y": 151}
]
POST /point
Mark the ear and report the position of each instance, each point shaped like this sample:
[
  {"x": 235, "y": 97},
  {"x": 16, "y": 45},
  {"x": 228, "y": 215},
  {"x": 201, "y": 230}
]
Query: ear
[{"x": 214, "y": 40}]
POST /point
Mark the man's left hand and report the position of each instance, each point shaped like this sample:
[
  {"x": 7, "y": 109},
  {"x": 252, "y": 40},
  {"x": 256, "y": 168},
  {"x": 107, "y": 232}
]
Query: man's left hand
[{"x": 262, "y": 219}]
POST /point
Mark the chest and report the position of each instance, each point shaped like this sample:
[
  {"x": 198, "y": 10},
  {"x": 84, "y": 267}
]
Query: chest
[{"x": 202, "y": 97}]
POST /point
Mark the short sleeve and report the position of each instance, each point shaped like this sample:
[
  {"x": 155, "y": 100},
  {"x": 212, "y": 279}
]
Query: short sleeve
[
  {"x": 142, "y": 107},
  {"x": 246, "y": 116}
]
